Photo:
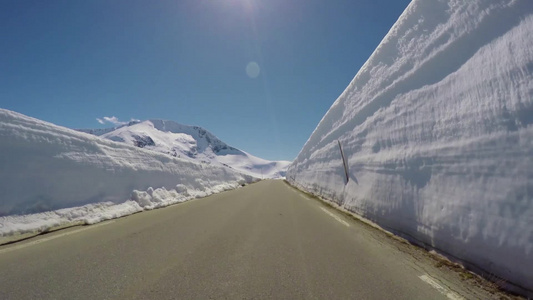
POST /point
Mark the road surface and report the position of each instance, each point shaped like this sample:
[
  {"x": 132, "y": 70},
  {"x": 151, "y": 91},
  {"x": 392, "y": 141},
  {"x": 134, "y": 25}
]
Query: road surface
[{"x": 263, "y": 241}]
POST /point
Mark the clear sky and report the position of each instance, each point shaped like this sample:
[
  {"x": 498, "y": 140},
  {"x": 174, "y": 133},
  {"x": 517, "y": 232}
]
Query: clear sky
[{"x": 259, "y": 74}]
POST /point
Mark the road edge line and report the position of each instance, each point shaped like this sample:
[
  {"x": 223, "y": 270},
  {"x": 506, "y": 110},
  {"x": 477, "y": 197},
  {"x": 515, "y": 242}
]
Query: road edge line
[
  {"x": 336, "y": 217},
  {"x": 46, "y": 239},
  {"x": 449, "y": 294}
]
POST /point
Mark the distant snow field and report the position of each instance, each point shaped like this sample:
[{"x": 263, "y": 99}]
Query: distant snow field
[
  {"x": 52, "y": 176},
  {"x": 437, "y": 130},
  {"x": 191, "y": 143}
]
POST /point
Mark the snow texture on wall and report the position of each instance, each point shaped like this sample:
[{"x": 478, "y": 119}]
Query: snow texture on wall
[
  {"x": 437, "y": 128},
  {"x": 45, "y": 168}
]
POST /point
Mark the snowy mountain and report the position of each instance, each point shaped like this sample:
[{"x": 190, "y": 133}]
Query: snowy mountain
[
  {"x": 53, "y": 176},
  {"x": 437, "y": 131},
  {"x": 193, "y": 143},
  {"x": 101, "y": 131}
]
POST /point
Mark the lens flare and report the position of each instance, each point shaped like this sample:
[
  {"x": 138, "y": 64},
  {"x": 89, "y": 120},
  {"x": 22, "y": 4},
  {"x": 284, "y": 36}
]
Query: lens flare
[{"x": 252, "y": 69}]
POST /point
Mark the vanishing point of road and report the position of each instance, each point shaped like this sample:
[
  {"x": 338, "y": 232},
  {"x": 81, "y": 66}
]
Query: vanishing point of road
[{"x": 264, "y": 241}]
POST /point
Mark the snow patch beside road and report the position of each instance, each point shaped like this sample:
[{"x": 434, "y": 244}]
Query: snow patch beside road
[{"x": 52, "y": 176}]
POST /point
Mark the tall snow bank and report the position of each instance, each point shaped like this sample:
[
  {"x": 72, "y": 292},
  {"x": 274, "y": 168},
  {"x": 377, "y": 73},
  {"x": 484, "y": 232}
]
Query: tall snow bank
[
  {"x": 437, "y": 131},
  {"x": 53, "y": 176}
]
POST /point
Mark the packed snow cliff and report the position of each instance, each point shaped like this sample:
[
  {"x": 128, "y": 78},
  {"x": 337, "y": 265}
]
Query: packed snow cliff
[
  {"x": 437, "y": 131},
  {"x": 193, "y": 143},
  {"x": 52, "y": 176}
]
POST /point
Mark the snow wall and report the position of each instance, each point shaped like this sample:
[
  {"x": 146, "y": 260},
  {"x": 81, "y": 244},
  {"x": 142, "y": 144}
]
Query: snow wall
[
  {"x": 81, "y": 177},
  {"x": 437, "y": 131}
]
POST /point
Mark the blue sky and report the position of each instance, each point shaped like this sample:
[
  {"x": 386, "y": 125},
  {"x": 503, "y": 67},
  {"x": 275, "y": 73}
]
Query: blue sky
[{"x": 72, "y": 62}]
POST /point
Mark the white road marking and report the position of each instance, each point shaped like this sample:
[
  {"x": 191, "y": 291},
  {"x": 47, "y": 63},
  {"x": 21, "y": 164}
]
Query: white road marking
[
  {"x": 305, "y": 197},
  {"x": 451, "y": 295},
  {"x": 336, "y": 217},
  {"x": 53, "y": 237}
]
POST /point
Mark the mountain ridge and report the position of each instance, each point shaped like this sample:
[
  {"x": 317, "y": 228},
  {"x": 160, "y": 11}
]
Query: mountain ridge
[{"x": 190, "y": 142}]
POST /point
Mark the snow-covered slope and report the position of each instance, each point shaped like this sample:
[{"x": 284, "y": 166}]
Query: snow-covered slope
[
  {"x": 193, "y": 143},
  {"x": 437, "y": 130},
  {"x": 54, "y": 176}
]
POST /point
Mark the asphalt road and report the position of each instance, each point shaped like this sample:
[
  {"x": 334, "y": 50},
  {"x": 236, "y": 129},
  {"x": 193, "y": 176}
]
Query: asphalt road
[{"x": 263, "y": 241}]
